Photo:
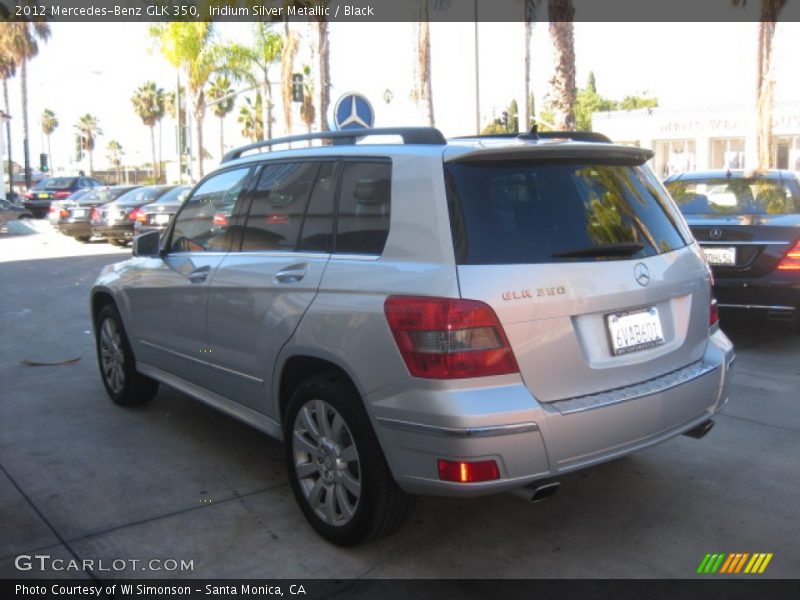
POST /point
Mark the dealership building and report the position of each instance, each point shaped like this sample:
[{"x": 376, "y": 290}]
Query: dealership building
[{"x": 703, "y": 138}]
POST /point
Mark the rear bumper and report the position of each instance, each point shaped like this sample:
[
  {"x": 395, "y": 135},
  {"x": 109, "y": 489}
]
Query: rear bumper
[
  {"x": 117, "y": 231},
  {"x": 774, "y": 296},
  {"x": 75, "y": 228},
  {"x": 530, "y": 440}
]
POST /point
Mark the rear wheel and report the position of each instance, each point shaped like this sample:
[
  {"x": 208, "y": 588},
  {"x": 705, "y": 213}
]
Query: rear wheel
[
  {"x": 115, "y": 242},
  {"x": 336, "y": 467},
  {"x": 83, "y": 238},
  {"x": 125, "y": 385}
]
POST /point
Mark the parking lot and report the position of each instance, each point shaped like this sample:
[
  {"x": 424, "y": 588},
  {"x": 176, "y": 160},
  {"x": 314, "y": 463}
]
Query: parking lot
[{"x": 82, "y": 478}]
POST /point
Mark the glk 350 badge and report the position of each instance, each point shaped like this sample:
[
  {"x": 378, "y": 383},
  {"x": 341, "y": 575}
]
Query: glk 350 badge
[{"x": 558, "y": 290}]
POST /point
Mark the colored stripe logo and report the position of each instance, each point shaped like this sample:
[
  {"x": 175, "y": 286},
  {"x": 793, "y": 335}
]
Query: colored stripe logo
[{"x": 734, "y": 563}]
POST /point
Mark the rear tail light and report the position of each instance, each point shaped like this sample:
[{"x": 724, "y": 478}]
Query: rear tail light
[
  {"x": 53, "y": 208},
  {"x": 134, "y": 214},
  {"x": 95, "y": 214},
  {"x": 220, "y": 219},
  {"x": 713, "y": 316},
  {"x": 791, "y": 262},
  {"x": 63, "y": 213},
  {"x": 444, "y": 338},
  {"x": 468, "y": 472},
  {"x": 29, "y": 195},
  {"x": 62, "y": 195}
]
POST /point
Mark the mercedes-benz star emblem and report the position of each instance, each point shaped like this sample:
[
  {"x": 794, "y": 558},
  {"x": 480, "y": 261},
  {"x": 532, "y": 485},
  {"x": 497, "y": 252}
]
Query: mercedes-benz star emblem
[
  {"x": 715, "y": 234},
  {"x": 354, "y": 117},
  {"x": 641, "y": 273}
]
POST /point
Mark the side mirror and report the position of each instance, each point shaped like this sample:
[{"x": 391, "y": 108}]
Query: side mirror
[{"x": 147, "y": 244}]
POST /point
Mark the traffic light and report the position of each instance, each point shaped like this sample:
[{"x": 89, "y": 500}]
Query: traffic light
[
  {"x": 78, "y": 148},
  {"x": 297, "y": 87},
  {"x": 44, "y": 166}
]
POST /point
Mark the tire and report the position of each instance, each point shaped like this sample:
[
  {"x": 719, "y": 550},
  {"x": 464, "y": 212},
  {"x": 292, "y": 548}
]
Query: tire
[
  {"x": 337, "y": 470},
  {"x": 82, "y": 238},
  {"x": 124, "y": 384},
  {"x": 114, "y": 242}
]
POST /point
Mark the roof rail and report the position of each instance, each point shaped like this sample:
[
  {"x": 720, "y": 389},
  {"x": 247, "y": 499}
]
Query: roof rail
[
  {"x": 410, "y": 135},
  {"x": 577, "y": 136}
]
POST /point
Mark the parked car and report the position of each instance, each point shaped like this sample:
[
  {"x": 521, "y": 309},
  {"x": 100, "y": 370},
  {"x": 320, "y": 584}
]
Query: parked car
[
  {"x": 39, "y": 197},
  {"x": 56, "y": 206},
  {"x": 156, "y": 215},
  {"x": 75, "y": 217},
  {"x": 10, "y": 212},
  {"x": 115, "y": 220},
  {"x": 748, "y": 225},
  {"x": 428, "y": 317}
]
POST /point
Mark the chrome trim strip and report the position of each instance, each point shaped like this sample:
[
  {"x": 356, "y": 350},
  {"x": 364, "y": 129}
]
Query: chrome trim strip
[
  {"x": 173, "y": 352},
  {"x": 489, "y": 431},
  {"x": 204, "y": 362},
  {"x": 760, "y": 306},
  {"x": 634, "y": 392},
  {"x": 742, "y": 243}
]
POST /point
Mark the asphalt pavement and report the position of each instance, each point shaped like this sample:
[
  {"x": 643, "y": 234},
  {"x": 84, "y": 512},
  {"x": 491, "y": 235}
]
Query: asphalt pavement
[{"x": 83, "y": 479}]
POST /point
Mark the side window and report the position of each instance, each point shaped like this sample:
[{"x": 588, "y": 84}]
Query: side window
[
  {"x": 279, "y": 201},
  {"x": 202, "y": 223},
  {"x": 317, "y": 232},
  {"x": 364, "y": 208}
]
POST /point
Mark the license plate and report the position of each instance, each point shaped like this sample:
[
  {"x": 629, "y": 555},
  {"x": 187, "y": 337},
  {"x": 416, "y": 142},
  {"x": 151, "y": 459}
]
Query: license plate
[
  {"x": 44, "y": 195},
  {"x": 720, "y": 255},
  {"x": 160, "y": 219},
  {"x": 79, "y": 212},
  {"x": 634, "y": 331}
]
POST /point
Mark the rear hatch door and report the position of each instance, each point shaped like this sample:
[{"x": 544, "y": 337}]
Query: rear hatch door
[{"x": 586, "y": 261}]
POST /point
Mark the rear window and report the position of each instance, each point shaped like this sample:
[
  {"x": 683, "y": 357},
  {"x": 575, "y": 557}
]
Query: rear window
[
  {"x": 735, "y": 196},
  {"x": 55, "y": 183},
  {"x": 139, "y": 196},
  {"x": 522, "y": 213}
]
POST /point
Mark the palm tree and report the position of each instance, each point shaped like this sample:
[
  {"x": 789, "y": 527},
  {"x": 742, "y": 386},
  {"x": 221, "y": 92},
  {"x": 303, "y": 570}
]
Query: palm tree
[
  {"x": 49, "y": 124},
  {"x": 115, "y": 152},
  {"x": 324, "y": 51},
  {"x": 149, "y": 105},
  {"x": 21, "y": 43},
  {"x": 8, "y": 69},
  {"x": 219, "y": 89},
  {"x": 287, "y": 67},
  {"x": 88, "y": 129},
  {"x": 188, "y": 46},
  {"x": 424, "y": 91},
  {"x": 250, "y": 119},
  {"x": 307, "y": 111},
  {"x": 770, "y": 10},
  {"x": 561, "y": 14},
  {"x": 265, "y": 51},
  {"x": 529, "y": 8}
]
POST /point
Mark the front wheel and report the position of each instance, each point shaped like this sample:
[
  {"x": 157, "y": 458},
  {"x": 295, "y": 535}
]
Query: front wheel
[
  {"x": 336, "y": 467},
  {"x": 124, "y": 384}
]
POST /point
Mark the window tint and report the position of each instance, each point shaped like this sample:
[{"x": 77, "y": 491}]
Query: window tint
[
  {"x": 317, "y": 231},
  {"x": 202, "y": 223},
  {"x": 518, "y": 213},
  {"x": 364, "y": 208},
  {"x": 279, "y": 201},
  {"x": 734, "y": 196}
]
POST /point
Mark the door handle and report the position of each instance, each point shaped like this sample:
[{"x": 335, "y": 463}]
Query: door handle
[
  {"x": 199, "y": 275},
  {"x": 291, "y": 274}
]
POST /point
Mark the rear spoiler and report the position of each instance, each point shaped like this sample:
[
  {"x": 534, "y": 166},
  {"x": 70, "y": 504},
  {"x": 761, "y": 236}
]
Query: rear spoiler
[{"x": 557, "y": 151}]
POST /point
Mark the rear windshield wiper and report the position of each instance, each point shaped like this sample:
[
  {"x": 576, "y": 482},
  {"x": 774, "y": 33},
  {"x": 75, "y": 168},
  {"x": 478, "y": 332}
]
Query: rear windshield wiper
[{"x": 624, "y": 249}]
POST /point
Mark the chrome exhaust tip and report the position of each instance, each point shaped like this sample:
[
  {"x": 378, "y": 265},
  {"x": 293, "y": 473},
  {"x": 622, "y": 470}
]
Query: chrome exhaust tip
[
  {"x": 701, "y": 430},
  {"x": 536, "y": 492}
]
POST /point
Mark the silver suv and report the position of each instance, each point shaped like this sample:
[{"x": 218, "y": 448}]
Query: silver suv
[{"x": 456, "y": 317}]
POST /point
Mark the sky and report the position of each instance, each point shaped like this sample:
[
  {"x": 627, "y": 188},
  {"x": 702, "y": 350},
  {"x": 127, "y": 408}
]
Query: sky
[{"x": 96, "y": 67}]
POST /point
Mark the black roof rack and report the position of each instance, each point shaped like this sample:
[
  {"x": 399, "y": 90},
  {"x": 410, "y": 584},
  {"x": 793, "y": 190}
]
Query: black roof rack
[
  {"x": 410, "y": 135},
  {"x": 576, "y": 136}
]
